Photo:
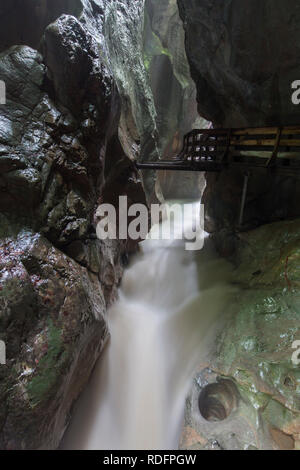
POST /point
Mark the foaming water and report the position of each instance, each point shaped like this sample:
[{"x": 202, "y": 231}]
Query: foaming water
[{"x": 167, "y": 306}]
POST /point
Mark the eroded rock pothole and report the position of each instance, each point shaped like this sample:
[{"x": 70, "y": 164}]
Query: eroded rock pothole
[{"x": 218, "y": 400}]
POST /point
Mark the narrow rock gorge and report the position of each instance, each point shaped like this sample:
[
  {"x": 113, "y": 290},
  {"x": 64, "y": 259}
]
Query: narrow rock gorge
[{"x": 92, "y": 87}]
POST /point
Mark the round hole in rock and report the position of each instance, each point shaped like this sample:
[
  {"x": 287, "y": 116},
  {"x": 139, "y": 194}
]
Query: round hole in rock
[
  {"x": 218, "y": 400},
  {"x": 289, "y": 382}
]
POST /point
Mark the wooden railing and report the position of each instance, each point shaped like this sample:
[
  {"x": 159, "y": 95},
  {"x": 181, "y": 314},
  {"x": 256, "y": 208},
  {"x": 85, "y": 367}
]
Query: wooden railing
[{"x": 216, "y": 149}]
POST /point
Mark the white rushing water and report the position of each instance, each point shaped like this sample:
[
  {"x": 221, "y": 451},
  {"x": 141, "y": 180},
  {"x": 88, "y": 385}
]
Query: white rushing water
[{"x": 169, "y": 301}]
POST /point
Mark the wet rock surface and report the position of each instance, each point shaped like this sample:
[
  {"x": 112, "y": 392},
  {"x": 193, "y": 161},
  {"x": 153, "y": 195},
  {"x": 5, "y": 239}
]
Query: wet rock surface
[
  {"x": 147, "y": 55},
  {"x": 244, "y": 58},
  {"x": 67, "y": 140},
  {"x": 60, "y": 157},
  {"x": 255, "y": 349},
  {"x": 53, "y": 323},
  {"x": 174, "y": 93}
]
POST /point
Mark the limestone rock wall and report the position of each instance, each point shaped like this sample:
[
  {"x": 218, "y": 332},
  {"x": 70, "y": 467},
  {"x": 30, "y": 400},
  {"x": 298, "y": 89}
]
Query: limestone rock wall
[
  {"x": 60, "y": 156},
  {"x": 253, "y": 352},
  {"x": 243, "y": 56},
  {"x": 174, "y": 93},
  {"x": 147, "y": 55}
]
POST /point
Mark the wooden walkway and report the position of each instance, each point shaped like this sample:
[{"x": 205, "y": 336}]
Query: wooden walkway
[{"x": 217, "y": 149}]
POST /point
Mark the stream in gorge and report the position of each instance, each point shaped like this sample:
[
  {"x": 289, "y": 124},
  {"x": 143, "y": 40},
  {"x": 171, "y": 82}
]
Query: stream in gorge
[
  {"x": 166, "y": 317},
  {"x": 108, "y": 345}
]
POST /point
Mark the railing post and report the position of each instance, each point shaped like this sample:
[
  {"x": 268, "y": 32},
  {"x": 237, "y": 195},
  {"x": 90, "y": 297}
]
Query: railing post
[
  {"x": 244, "y": 195},
  {"x": 2, "y": 353},
  {"x": 272, "y": 159}
]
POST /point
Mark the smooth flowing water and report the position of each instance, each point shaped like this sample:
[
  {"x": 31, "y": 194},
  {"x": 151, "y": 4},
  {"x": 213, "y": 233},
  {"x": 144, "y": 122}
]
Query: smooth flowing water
[{"x": 169, "y": 301}]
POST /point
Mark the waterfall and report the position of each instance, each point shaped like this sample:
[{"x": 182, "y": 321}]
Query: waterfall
[{"x": 169, "y": 304}]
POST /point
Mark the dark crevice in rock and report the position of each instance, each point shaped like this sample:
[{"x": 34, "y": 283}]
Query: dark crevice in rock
[{"x": 24, "y": 21}]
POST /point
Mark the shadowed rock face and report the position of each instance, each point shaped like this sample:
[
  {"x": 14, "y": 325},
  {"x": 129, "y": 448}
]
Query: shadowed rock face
[
  {"x": 244, "y": 55},
  {"x": 60, "y": 156},
  {"x": 24, "y": 21}
]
